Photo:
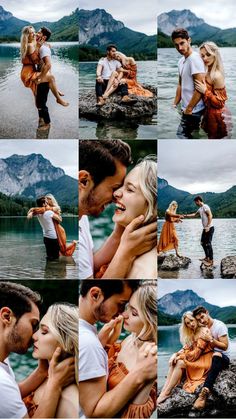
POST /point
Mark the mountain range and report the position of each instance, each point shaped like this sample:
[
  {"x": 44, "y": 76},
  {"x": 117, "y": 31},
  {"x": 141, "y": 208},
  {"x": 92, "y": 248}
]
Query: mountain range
[
  {"x": 28, "y": 177},
  {"x": 65, "y": 29},
  {"x": 223, "y": 204},
  {"x": 198, "y": 29},
  {"x": 97, "y": 29},
  {"x": 172, "y": 306}
]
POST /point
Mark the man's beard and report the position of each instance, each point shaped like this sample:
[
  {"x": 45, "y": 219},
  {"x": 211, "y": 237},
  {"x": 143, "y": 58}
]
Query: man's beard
[
  {"x": 16, "y": 342},
  {"x": 90, "y": 205},
  {"x": 100, "y": 314}
]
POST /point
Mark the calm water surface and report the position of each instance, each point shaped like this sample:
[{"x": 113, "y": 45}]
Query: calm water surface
[
  {"x": 147, "y": 74},
  {"x": 19, "y": 116},
  {"x": 23, "y": 252},
  {"x": 189, "y": 234},
  {"x": 168, "y": 117},
  {"x": 168, "y": 343}
]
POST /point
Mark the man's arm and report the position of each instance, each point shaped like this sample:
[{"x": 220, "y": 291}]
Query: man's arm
[
  {"x": 193, "y": 214},
  {"x": 45, "y": 67},
  {"x": 105, "y": 254},
  {"x": 57, "y": 217},
  {"x": 196, "y": 95},
  {"x": 99, "y": 73},
  {"x": 222, "y": 342},
  {"x": 178, "y": 93},
  {"x": 34, "y": 380},
  {"x": 209, "y": 217}
]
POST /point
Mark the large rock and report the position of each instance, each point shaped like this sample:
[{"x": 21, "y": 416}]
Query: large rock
[
  {"x": 228, "y": 267},
  {"x": 220, "y": 404},
  {"x": 172, "y": 262},
  {"x": 143, "y": 109}
]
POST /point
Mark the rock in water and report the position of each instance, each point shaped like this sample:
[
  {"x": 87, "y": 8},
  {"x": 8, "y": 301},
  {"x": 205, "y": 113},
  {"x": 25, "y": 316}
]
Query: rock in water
[
  {"x": 228, "y": 267},
  {"x": 142, "y": 109},
  {"x": 173, "y": 263}
]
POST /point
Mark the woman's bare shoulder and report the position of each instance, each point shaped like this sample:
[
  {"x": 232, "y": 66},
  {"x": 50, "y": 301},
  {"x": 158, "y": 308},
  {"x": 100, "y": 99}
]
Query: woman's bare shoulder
[
  {"x": 69, "y": 401},
  {"x": 30, "y": 49},
  {"x": 219, "y": 80}
]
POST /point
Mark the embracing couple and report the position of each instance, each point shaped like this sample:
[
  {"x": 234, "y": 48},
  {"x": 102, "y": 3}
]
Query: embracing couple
[
  {"x": 36, "y": 71},
  {"x": 118, "y": 378},
  {"x": 50, "y": 391},
  {"x": 130, "y": 251},
  {"x": 169, "y": 239},
  {"x": 204, "y": 354},
  {"x": 117, "y": 72},
  {"x": 201, "y": 88},
  {"x": 48, "y": 213}
]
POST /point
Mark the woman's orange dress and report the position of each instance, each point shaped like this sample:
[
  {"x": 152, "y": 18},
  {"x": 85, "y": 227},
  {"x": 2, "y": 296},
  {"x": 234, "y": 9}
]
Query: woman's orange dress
[
  {"x": 198, "y": 359},
  {"x": 29, "y": 72},
  {"x": 168, "y": 238},
  {"x": 216, "y": 119},
  {"x": 31, "y": 406},
  {"x": 133, "y": 86},
  {"x": 117, "y": 372}
]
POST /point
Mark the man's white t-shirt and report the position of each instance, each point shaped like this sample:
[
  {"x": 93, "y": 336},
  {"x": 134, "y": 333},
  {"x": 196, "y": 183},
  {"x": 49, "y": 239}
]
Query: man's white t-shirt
[
  {"x": 86, "y": 265},
  {"x": 11, "y": 404},
  {"x": 108, "y": 66},
  {"x": 44, "y": 51},
  {"x": 189, "y": 66},
  {"x": 47, "y": 224},
  {"x": 219, "y": 329},
  {"x": 93, "y": 360},
  {"x": 203, "y": 213}
]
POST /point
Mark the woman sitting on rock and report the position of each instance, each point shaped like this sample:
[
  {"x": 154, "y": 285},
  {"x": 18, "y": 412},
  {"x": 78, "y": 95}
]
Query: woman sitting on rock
[{"x": 192, "y": 362}]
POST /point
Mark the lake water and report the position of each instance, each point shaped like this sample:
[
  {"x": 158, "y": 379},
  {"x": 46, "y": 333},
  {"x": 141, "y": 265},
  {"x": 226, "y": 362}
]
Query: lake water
[
  {"x": 189, "y": 234},
  {"x": 19, "y": 116},
  {"x": 168, "y": 117},
  {"x": 147, "y": 74},
  {"x": 168, "y": 343},
  {"x": 23, "y": 252}
]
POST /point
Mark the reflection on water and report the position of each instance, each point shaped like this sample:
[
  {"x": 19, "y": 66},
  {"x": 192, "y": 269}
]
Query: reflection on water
[
  {"x": 130, "y": 130},
  {"x": 19, "y": 116},
  {"x": 169, "y": 117},
  {"x": 189, "y": 234},
  {"x": 168, "y": 343},
  {"x": 23, "y": 253}
]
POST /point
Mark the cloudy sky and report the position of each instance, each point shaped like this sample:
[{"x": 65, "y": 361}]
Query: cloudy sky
[
  {"x": 198, "y": 165},
  {"x": 61, "y": 153},
  {"x": 35, "y": 11},
  {"x": 137, "y": 15},
  {"x": 218, "y": 13},
  {"x": 221, "y": 292}
]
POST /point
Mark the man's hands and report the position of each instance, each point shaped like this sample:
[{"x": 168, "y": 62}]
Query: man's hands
[
  {"x": 100, "y": 79},
  {"x": 111, "y": 331},
  {"x": 206, "y": 335},
  {"x": 61, "y": 373}
]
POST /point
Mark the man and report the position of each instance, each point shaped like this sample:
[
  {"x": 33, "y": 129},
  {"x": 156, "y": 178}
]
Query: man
[
  {"x": 19, "y": 318},
  {"x": 49, "y": 232},
  {"x": 102, "y": 168},
  {"x": 208, "y": 229},
  {"x": 219, "y": 341},
  {"x": 191, "y": 68},
  {"x": 103, "y": 301},
  {"x": 106, "y": 66}
]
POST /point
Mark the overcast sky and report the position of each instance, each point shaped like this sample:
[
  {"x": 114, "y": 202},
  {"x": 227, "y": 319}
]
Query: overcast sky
[
  {"x": 61, "y": 153},
  {"x": 139, "y": 15},
  {"x": 35, "y": 11},
  {"x": 218, "y": 13},
  {"x": 198, "y": 165},
  {"x": 221, "y": 292}
]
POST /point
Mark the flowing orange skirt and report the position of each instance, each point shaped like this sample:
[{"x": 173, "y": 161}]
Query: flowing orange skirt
[{"x": 168, "y": 238}]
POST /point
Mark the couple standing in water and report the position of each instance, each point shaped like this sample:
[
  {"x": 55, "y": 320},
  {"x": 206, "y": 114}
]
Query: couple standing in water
[
  {"x": 201, "y": 89},
  {"x": 169, "y": 239}
]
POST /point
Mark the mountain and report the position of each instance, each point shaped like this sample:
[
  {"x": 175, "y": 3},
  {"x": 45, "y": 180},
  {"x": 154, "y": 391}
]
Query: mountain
[
  {"x": 173, "y": 305},
  {"x": 198, "y": 29},
  {"x": 65, "y": 29},
  {"x": 98, "y": 29},
  {"x": 32, "y": 175},
  {"x": 223, "y": 204}
]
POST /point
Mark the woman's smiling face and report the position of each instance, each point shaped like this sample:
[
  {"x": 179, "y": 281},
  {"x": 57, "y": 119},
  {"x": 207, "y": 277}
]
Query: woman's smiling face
[
  {"x": 45, "y": 342},
  {"x": 129, "y": 199}
]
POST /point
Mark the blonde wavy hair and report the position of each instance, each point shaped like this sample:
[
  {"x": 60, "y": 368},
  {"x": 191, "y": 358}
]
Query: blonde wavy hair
[
  {"x": 147, "y": 309},
  {"x": 186, "y": 334},
  {"x": 213, "y": 50},
  {"x": 54, "y": 202},
  {"x": 147, "y": 179},
  {"x": 63, "y": 323},
  {"x": 171, "y": 205},
  {"x": 24, "y": 40}
]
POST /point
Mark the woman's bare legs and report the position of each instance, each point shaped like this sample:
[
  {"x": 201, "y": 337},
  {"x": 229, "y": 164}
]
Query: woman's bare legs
[
  {"x": 49, "y": 78},
  {"x": 173, "y": 378}
]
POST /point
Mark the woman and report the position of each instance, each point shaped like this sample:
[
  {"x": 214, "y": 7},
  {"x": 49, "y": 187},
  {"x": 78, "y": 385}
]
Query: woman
[
  {"x": 137, "y": 197},
  {"x": 59, "y": 327},
  {"x": 168, "y": 238},
  {"x": 194, "y": 358},
  {"x": 140, "y": 320},
  {"x": 52, "y": 205},
  {"x": 214, "y": 92},
  {"x": 30, "y": 59},
  {"x": 127, "y": 74}
]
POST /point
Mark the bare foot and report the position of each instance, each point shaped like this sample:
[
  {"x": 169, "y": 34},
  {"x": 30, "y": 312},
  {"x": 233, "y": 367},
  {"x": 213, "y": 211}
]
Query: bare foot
[
  {"x": 62, "y": 102},
  {"x": 44, "y": 127},
  {"x": 162, "y": 397},
  {"x": 60, "y": 93}
]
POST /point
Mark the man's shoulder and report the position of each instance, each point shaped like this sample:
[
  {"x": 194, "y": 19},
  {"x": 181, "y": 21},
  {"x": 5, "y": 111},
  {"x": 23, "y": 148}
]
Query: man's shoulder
[
  {"x": 218, "y": 324},
  {"x": 44, "y": 51},
  {"x": 102, "y": 60}
]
